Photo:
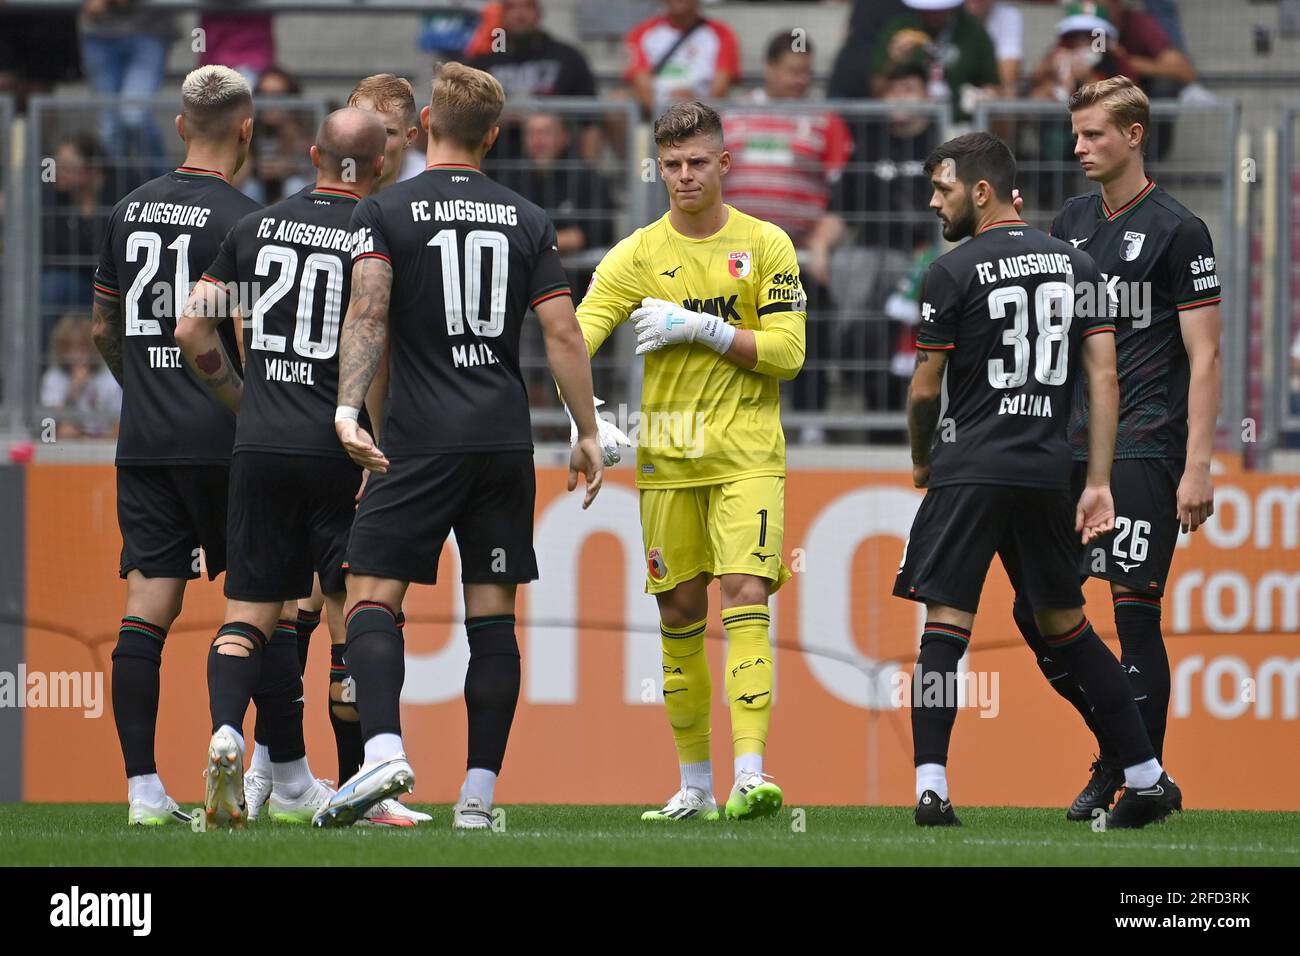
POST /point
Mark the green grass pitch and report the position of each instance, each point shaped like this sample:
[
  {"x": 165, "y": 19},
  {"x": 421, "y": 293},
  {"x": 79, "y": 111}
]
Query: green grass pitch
[{"x": 97, "y": 835}]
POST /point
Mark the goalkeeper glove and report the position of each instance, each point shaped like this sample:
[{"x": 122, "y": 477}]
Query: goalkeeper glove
[
  {"x": 660, "y": 323},
  {"x": 609, "y": 435}
]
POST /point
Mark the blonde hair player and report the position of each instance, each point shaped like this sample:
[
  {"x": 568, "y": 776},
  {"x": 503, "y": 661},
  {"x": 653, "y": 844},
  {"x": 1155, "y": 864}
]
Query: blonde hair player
[
  {"x": 719, "y": 314},
  {"x": 457, "y": 436},
  {"x": 1158, "y": 257}
]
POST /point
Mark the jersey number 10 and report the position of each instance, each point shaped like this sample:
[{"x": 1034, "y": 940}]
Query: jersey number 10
[
  {"x": 467, "y": 307},
  {"x": 1053, "y": 312}
]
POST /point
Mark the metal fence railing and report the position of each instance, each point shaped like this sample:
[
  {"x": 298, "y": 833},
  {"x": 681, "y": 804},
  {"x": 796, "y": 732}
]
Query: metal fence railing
[
  {"x": 1283, "y": 397},
  {"x": 851, "y": 171},
  {"x": 11, "y": 265},
  {"x": 83, "y": 154},
  {"x": 1193, "y": 152},
  {"x": 591, "y": 165},
  {"x": 576, "y": 158}
]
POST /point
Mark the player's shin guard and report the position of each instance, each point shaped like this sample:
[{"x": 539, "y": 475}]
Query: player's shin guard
[
  {"x": 279, "y": 695},
  {"x": 376, "y": 660},
  {"x": 491, "y": 688},
  {"x": 307, "y": 622},
  {"x": 234, "y": 669},
  {"x": 344, "y": 720},
  {"x": 934, "y": 705},
  {"x": 749, "y": 676},
  {"x": 1143, "y": 656},
  {"x": 1058, "y": 676},
  {"x": 1104, "y": 684},
  {"x": 687, "y": 690},
  {"x": 137, "y": 659}
]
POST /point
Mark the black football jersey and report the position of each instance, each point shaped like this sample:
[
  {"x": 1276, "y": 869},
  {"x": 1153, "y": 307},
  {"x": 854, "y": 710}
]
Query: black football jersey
[
  {"x": 291, "y": 265},
  {"x": 469, "y": 258},
  {"x": 1011, "y": 308},
  {"x": 1157, "y": 258},
  {"x": 159, "y": 240}
]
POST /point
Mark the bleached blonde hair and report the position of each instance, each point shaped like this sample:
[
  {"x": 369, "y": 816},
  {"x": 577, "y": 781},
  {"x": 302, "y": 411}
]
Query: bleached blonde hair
[{"x": 213, "y": 98}]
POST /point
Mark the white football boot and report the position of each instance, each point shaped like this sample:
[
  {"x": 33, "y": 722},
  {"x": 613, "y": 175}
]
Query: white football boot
[
  {"x": 688, "y": 803},
  {"x": 224, "y": 799},
  {"x": 302, "y": 808},
  {"x": 145, "y": 814},
  {"x": 371, "y": 784},
  {"x": 257, "y": 789},
  {"x": 392, "y": 813},
  {"x": 471, "y": 814}
]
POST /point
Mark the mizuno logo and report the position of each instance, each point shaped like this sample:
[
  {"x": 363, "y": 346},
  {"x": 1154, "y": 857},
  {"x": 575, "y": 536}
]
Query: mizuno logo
[
  {"x": 750, "y": 698},
  {"x": 762, "y": 557},
  {"x": 672, "y": 274},
  {"x": 1126, "y": 566},
  {"x": 1077, "y": 242}
]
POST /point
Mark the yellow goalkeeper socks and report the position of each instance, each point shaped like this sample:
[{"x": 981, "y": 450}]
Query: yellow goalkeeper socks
[
  {"x": 749, "y": 676},
  {"x": 687, "y": 690}
]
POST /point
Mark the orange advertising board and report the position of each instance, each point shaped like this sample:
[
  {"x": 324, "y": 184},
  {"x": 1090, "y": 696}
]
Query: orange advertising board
[{"x": 590, "y": 725}]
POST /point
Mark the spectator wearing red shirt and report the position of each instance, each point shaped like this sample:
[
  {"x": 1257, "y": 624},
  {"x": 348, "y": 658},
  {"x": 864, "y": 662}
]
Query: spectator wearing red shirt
[
  {"x": 680, "y": 55},
  {"x": 1159, "y": 67},
  {"x": 785, "y": 164}
]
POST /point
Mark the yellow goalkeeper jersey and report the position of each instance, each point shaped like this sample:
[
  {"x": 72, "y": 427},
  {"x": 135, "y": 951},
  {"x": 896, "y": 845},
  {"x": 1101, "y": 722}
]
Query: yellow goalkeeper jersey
[{"x": 703, "y": 419}]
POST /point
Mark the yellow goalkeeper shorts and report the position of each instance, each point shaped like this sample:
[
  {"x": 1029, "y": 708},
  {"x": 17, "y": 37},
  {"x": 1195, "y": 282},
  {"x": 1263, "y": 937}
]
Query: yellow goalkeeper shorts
[{"x": 732, "y": 528}]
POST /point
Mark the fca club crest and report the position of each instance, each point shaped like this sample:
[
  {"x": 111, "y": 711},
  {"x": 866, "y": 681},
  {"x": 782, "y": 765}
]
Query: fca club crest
[
  {"x": 738, "y": 264},
  {"x": 1132, "y": 247},
  {"x": 655, "y": 564}
]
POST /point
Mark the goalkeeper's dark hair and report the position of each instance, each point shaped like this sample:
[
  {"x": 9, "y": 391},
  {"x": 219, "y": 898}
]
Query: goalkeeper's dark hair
[
  {"x": 977, "y": 156},
  {"x": 683, "y": 121}
]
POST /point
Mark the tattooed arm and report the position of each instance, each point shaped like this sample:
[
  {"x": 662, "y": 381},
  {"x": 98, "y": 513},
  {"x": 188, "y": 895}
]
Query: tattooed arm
[
  {"x": 209, "y": 305},
  {"x": 923, "y": 400},
  {"x": 361, "y": 349},
  {"x": 106, "y": 327}
]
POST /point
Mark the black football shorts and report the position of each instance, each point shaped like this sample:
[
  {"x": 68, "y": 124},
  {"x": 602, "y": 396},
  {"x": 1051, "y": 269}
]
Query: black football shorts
[
  {"x": 166, "y": 513},
  {"x": 289, "y": 517},
  {"x": 1140, "y": 551},
  {"x": 486, "y": 498},
  {"x": 959, "y": 528}
]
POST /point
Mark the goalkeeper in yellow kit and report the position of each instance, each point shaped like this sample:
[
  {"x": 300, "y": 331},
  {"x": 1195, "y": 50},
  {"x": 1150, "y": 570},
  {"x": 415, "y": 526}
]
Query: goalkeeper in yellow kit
[{"x": 719, "y": 314}]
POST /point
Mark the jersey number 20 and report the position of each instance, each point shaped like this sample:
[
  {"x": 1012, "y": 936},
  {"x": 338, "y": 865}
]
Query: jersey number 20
[{"x": 1053, "y": 312}]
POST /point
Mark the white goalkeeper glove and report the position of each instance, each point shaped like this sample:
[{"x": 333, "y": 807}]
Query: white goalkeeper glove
[
  {"x": 609, "y": 435},
  {"x": 660, "y": 323}
]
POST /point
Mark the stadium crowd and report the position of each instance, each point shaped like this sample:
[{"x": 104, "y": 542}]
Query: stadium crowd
[{"x": 847, "y": 186}]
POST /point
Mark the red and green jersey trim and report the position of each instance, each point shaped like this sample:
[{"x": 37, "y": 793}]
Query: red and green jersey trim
[
  {"x": 200, "y": 172},
  {"x": 208, "y": 277},
  {"x": 1198, "y": 303},
  {"x": 373, "y": 255},
  {"x": 1099, "y": 328},
  {"x": 335, "y": 193},
  {"x": 936, "y": 346},
  {"x": 550, "y": 294},
  {"x": 1112, "y": 216},
  {"x": 1003, "y": 224},
  {"x": 473, "y": 169},
  {"x": 108, "y": 291}
]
